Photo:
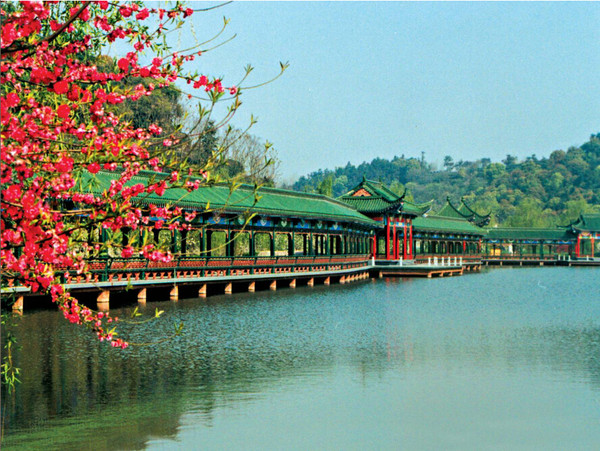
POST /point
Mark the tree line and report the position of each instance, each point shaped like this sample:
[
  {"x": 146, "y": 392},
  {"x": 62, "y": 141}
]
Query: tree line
[{"x": 534, "y": 192}]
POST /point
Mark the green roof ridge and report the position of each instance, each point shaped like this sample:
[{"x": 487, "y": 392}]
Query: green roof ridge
[
  {"x": 475, "y": 214},
  {"x": 220, "y": 196},
  {"x": 450, "y": 211}
]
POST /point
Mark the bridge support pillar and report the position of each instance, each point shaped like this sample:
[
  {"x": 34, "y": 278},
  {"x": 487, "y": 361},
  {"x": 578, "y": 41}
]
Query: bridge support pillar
[
  {"x": 343, "y": 279},
  {"x": 202, "y": 291},
  {"x": 327, "y": 281},
  {"x": 228, "y": 288},
  {"x": 252, "y": 287},
  {"x": 311, "y": 282},
  {"x": 293, "y": 283},
  {"x": 141, "y": 297},
  {"x": 102, "y": 301},
  {"x": 174, "y": 294},
  {"x": 18, "y": 305},
  {"x": 273, "y": 285}
]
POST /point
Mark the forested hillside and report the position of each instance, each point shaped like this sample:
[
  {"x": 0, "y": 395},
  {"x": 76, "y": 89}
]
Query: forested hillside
[{"x": 535, "y": 192}]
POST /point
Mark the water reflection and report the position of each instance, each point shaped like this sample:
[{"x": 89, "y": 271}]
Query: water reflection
[{"x": 375, "y": 343}]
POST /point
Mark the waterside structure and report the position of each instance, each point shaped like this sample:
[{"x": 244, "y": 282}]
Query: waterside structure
[{"x": 244, "y": 240}]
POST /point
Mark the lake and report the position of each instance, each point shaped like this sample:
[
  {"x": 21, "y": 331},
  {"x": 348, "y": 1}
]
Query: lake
[{"x": 505, "y": 359}]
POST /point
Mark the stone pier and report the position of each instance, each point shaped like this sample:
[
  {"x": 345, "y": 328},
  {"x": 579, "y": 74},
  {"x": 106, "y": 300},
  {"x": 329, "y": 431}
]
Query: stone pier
[{"x": 103, "y": 301}]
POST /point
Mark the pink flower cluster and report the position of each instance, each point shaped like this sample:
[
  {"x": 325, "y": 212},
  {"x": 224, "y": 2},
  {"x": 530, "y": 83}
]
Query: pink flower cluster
[{"x": 58, "y": 129}]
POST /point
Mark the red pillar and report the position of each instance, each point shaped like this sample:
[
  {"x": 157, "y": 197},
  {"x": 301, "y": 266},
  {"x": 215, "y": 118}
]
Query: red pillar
[
  {"x": 404, "y": 238},
  {"x": 387, "y": 238},
  {"x": 577, "y": 246},
  {"x": 375, "y": 246},
  {"x": 395, "y": 241},
  {"x": 592, "y": 246},
  {"x": 410, "y": 240}
]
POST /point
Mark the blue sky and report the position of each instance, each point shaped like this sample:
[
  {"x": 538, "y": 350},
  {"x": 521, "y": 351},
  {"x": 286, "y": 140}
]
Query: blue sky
[{"x": 378, "y": 79}]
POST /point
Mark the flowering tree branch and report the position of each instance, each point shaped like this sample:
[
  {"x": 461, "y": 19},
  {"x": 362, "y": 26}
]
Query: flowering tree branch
[{"x": 61, "y": 129}]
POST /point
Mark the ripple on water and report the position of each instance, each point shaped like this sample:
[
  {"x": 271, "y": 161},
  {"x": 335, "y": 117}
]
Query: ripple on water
[{"x": 509, "y": 356}]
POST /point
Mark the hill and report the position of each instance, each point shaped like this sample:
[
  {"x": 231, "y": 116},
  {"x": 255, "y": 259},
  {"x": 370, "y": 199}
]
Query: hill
[{"x": 535, "y": 192}]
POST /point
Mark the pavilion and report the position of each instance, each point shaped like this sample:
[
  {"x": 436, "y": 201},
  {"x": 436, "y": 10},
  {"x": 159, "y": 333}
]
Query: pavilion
[{"x": 394, "y": 214}]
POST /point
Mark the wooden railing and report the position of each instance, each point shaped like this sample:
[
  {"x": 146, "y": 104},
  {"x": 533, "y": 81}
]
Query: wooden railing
[{"x": 118, "y": 269}]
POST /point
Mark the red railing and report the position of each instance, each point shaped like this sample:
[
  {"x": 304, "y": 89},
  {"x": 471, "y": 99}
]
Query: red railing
[{"x": 118, "y": 269}]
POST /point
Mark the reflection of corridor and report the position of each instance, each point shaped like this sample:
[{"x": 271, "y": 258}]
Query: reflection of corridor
[{"x": 242, "y": 360}]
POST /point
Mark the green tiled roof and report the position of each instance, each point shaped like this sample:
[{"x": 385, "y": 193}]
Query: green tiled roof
[
  {"x": 436, "y": 223},
  {"x": 416, "y": 209},
  {"x": 450, "y": 211},
  {"x": 272, "y": 201},
  {"x": 587, "y": 223},
  {"x": 463, "y": 211},
  {"x": 369, "y": 204},
  {"x": 523, "y": 233},
  {"x": 376, "y": 189},
  {"x": 381, "y": 200}
]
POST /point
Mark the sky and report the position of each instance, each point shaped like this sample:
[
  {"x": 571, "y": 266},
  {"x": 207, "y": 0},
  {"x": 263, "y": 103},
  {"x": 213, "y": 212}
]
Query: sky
[{"x": 379, "y": 79}]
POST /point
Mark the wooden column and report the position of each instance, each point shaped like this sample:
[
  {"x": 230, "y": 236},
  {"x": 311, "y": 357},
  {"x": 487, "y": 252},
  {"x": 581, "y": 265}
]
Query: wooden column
[
  {"x": 228, "y": 288},
  {"x": 410, "y": 240},
  {"x": 103, "y": 236},
  {"x": 293, "y": 283},
  {"x": 175, "y": 241},
  {"x": 183, "y": 245},
  {"x": 174, "y": 294},
  {"x": 272, "y": 235},
  {"x": 273, "y": 285},
  {"x": 202, "y": 239},
  {"x": 207, "y": 241},
  {"x": 252, "y": 287},
  {"x": 387, "y": 238},
  {"x": 374, "y": 246},
  {"x": 404, "y": 239},
  {"x": 202, "y": 291},
  {"x": 252, "y": 244},
  {"x": 395, "y": 242},
  {"x": 229, "y": 243}
]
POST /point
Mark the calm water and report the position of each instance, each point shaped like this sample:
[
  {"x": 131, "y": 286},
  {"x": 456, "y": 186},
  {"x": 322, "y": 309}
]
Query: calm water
[{"x": 508, "y": 359}]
